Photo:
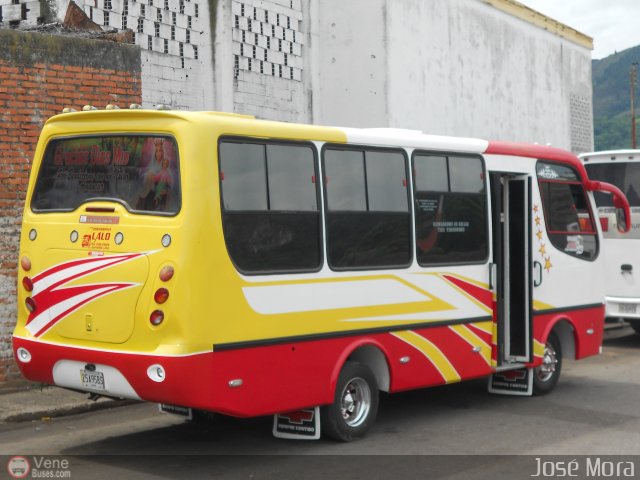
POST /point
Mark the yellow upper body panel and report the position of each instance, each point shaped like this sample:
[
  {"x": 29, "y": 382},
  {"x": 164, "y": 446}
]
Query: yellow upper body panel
[{"x": 97, "y": 292}]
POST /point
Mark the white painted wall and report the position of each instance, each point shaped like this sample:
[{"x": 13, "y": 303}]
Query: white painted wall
[
  {"x": 268, "y": 38},
  {"x": 451, "y": 67},
  {"x": 349, "y": 56}
]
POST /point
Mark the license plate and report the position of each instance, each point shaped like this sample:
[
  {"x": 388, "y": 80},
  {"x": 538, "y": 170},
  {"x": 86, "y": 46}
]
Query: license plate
[
  {"x": 627, "y": 308},
  {"x": 93, "y": 380}
]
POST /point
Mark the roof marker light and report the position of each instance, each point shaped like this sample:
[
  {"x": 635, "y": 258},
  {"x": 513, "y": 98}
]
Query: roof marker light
[
  {"x": 68, "y": 110},
  {"x": 86, "y": 108},
  {"x": 135, "y": 106},
  {"x": 112, "y": 107}
]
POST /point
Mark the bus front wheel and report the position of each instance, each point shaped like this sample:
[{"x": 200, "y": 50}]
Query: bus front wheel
[
  {"x": 545, "y": 376},
  {"x": 355, "y": 404}
]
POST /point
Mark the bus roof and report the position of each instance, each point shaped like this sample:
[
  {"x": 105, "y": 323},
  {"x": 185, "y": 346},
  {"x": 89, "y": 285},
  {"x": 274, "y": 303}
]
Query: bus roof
[
  {"x": 249, "y": 125},
  {"x": 611, "y": 155}
]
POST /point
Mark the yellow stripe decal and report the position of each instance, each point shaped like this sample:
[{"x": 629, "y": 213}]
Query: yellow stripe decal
[
  {"x": 433, "y": 354},
  {"x": 486, "y": 327},
  {"x": 538, "y": 348},
  {"x": 474, "y": 340}
]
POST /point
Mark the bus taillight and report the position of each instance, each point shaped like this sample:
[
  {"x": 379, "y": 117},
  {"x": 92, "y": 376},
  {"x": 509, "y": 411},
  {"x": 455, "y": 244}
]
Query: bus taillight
[
  {"x": 156, "y": 318},
  {"x": 166, "y": 273},
  {"x": 27, "y": 284},
  {"x": 31, "y": 304},
  {"x": 161, "y": 295},
  {"x": 604, "y": 223}
]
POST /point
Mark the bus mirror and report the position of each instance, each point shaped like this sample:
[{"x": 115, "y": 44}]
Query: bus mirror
[
  {"x": 620, "y": 202},
  {"x": 621, "y": 220}
]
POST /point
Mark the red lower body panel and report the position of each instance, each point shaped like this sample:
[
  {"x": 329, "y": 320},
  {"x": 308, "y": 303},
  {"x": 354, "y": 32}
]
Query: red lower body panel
[{"x": 262, "y": 380}]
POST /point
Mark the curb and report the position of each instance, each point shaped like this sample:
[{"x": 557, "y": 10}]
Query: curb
[{"x": 46, "y": 414}]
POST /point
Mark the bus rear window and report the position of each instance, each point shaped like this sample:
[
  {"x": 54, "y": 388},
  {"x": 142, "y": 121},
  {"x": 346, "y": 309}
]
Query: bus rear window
[{"x": 139, "y": 171}]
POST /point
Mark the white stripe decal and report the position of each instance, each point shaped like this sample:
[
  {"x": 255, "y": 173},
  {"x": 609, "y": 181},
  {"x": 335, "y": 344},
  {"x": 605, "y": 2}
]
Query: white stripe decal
[
  {"x": 51, "y": 279},
  {"x": 309, "y": 297},
  {"x": 41, "y": 320}
]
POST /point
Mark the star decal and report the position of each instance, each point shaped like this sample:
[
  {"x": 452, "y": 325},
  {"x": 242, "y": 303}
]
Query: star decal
[
  {"x": 537, "y": 219},
  {"x": 542, "y": 249},
  {"x": 535, "y": 209},
  {"x": 547, "y": 264},
  {"x": 539, "y": 234}
]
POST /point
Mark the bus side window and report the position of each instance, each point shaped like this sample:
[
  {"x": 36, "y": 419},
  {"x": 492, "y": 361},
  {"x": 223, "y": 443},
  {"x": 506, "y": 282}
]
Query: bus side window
[
  {"x": 270, "y": 214},
  {"x": 368, "y": 218},
  {"x": 451, "y": 209},
  {"x": 568, "y": 218}
]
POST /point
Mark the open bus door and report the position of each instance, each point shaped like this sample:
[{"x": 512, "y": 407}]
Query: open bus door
[{"x": 512, "y": 284}]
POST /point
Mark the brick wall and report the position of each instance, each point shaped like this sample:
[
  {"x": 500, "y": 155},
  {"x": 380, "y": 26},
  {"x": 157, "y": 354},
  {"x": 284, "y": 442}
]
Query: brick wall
[{"x": 39, "y": 76}]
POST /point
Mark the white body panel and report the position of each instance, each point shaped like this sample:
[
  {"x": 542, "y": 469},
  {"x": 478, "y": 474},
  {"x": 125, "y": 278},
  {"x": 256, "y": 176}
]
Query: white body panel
[
  {"x": 568, "y": 281},
  {"x": 621, "y": 251}
]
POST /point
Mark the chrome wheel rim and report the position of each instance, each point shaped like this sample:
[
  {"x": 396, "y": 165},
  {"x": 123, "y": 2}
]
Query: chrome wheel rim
[
  {"x": 549, "y": 363},
  {"x": 355, "y": 402}
]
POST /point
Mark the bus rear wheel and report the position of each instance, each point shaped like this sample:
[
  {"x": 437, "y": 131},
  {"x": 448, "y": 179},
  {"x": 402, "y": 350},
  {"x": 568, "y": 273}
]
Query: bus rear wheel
[
  {"x": 546, "y": 376},
  {"x": 355, "y": 404}
]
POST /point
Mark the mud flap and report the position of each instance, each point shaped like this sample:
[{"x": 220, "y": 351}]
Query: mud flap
[
  {"x": 512, "y": 382},
  {"x": 299, "y": 425}
]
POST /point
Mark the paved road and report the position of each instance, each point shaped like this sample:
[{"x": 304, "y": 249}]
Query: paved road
[{"x": 594, "y": 411}]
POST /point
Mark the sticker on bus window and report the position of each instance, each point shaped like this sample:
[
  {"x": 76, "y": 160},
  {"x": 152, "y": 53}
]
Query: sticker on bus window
[
  {"x": 138, "y": 171},
  {"x": 575, "y": 244}
]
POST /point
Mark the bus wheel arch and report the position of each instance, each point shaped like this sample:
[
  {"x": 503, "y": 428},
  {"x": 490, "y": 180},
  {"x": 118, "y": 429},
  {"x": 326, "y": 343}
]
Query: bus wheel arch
[
  {"x": 360, "y": 377},
  {"x": 559, "y": 343},
  {"x": 373, "y": 357},
  {"x": 566, "y": 333}
]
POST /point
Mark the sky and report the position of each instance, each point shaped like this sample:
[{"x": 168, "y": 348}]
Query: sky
[{"x": 614, "y": 25}]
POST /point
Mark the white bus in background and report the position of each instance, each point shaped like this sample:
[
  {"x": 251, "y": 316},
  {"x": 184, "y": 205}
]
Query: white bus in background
[{"x": 622, "y": 251}]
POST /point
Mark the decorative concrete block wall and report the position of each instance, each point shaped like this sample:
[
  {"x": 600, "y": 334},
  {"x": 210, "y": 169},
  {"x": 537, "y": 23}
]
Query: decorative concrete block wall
[{"x": 268, "y": 42}]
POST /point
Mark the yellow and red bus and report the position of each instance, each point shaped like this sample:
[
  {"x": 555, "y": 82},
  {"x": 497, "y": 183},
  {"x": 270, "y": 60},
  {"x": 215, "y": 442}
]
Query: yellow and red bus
[{"x": 226, "y": 264}]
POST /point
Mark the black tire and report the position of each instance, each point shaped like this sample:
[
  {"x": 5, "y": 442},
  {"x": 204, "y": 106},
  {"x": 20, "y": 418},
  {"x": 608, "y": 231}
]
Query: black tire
[
  {"x": 635, "y": 324},
  {"x": 546, "y": 376},
  {"x": 202, "y": 417},
  {"x": 355, "y": 404}
]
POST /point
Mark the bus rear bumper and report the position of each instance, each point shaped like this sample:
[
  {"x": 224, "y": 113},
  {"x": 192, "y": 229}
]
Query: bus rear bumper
[
  {"x": 180, "y": 380},
  {"x": 623, "y": 307},
  {"x": 238, "y": 383}
]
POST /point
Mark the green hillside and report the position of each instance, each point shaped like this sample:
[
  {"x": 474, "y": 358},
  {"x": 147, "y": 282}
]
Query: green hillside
[{"x": 611, "y": 104}]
